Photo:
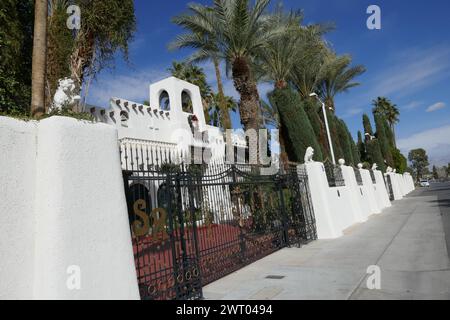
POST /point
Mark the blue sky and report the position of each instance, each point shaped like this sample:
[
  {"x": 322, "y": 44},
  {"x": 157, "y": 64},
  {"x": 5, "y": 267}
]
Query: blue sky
[{"x": 408, "y": 61}]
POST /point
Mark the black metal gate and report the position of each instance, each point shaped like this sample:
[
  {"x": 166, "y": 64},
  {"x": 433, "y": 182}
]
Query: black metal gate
[
  {"x": 390, "y": 188},
  {"x": 194, "y": 225}
]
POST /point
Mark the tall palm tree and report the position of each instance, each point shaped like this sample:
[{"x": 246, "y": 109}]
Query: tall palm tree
[
  {"x": 276, "y": 62},
  {"x": 206, "y": 49},
  {"x": 390, "y": 111},
  {"x": 310, "y": 62},
  {"x": 277, "y": 59},
  {"x": 39, "y": 59},
  {"x": 216, "y": 110},
  {"x": 240, "y": 31},
  {"x": 195, "y": 75},
  {"x": 337, "y": 77}
]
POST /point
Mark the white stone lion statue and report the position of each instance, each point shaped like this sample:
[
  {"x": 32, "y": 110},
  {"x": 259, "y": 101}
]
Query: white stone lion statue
[
  {"x": 65, "y": 96},
  {"x": 374, "y": 167},
  {"x": 309, "y": 155},
  {"x": 341, "y": 162},
  {"x": 389, "y": 170},
  {"x": 360, "y": 166}
]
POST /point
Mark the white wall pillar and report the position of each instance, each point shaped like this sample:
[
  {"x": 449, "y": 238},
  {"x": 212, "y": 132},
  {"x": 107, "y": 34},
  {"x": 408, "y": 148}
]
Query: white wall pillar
[
  {"x": 17, "y": 175},
  {"x": 370, "y": 191},
  {"x": 396, "y": 186},
  {"x": 357, "y": 198},
  {"x": 318, "y": 184},
  {"x": 62, "y": 204},
  {"x": 81, "y": 213},
  {"x": 381, "y": 191}
]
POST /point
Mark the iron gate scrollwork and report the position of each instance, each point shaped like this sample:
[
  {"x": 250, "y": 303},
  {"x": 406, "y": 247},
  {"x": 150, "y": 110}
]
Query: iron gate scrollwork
[{"x": 194, "y": 225}]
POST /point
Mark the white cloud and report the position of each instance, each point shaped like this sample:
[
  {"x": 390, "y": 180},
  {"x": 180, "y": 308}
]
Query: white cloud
[
  {"x": 353, "y": 112},
  {"x": 404, "y": 73},
  {"x": 414, "y": 69},
  {"x": 412, "y": 105},
  {"x": 435, "y": 141},
  {"x": 436, "y": 107},
  {"x": 133, "y": 86}
]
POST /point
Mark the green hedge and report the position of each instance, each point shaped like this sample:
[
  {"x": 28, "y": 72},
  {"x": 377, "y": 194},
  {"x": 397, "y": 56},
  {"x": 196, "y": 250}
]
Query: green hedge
[{"x": 299, "y": 132}]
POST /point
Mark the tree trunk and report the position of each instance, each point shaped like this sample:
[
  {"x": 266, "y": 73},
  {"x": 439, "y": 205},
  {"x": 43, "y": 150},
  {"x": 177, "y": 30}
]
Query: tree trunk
[
  {"x": 39, "y": 59},
  {"x": 246, "y": 86},
  {"x": 284, "y": 157},
  {"x": 249, "y": 105},
  {"x": 82, "y": 57},
  {"x": 224, "y": 112}
]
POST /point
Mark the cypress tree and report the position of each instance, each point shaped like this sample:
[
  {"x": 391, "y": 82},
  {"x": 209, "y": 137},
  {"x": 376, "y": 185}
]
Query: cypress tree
[
  {"x": 386, "y": 149},
  {"x": 367, "y": 125},
  {"x": 344, "y": 139},
  {"x": 374, "y": 154},
  {"x": 333, "y": 124},
  {"x": 389, "y": 135},
  {"x": 361, "y": 148},
  {"x": 373, "y": 149},
  {"x": 354, "y": 148},
  {"x": 355, "y": 151},
  {"x": 298, "y": 130},
  {"x": 312, "y": 110}
]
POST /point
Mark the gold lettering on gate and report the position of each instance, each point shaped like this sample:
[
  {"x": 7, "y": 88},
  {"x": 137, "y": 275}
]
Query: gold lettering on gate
[
  {"x": 159, "y": 216},
  {"x": 156, "y": 221},
  {"x": 140, "y": 228}
]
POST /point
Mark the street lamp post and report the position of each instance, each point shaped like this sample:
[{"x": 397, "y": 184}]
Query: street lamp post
[{"x": 326, "y": 125}]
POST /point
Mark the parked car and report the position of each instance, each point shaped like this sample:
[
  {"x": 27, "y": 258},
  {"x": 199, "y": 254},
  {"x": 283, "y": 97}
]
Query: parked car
[{"x": 424, "y": 183}]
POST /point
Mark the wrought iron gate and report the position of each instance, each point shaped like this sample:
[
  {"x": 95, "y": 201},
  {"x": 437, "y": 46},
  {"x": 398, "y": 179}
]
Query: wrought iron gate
[
  {"x": 194, "y": 225},
  {"x": 390, "y": 188}
]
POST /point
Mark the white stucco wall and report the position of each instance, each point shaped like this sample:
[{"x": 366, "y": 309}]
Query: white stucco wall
[
  {"x": 370, "y": 192},
  {"x": 327, "y": 228},
  {"x": 398, "y": 194},
  {"x": 381, "y": 191},
  {"x": 17, "y": 175},
  {"x": 342, "y": 209},
  {"x": 62, "y": 204},
  {"x": 409, "y": 182},
  {"x": 358, "y": 199}
]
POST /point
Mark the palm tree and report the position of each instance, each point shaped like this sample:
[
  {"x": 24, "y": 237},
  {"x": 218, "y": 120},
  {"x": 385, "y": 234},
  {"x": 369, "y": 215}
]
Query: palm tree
[
  {"x": 216, "y": 108},
  {"x": 337, "y": 77},
  {"x": 276, "y": 62},
  {"x": 206, "y": 49},
  {"x": 390, "y": 111},
  {"x": 39, "y": 59},
  {"x": 381, "y": 105},
  {"x": 195, "y": 75},
  {"x": 240, "y": 31},
  {"x": 277, "y": 59},
  {"x": 310, "y": 62}
]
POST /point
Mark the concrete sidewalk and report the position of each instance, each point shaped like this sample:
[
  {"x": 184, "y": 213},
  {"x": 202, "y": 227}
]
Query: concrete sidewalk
[{"x": 406, "y": 241}]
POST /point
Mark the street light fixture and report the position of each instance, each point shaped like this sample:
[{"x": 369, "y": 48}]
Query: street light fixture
[{"x": 326, "y": 125}]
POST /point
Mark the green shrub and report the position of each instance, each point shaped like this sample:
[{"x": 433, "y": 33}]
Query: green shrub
[{"x": 296, "y": 125}]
